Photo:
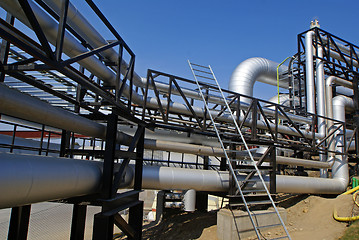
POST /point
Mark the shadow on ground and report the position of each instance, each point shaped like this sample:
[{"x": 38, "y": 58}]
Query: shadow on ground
[{"x": 181, "y": 225}]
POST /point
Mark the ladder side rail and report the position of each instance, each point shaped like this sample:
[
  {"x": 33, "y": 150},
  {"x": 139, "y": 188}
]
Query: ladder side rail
[
  {"x": 225, "y": 153},
  {"x": 251, "y": 156}
]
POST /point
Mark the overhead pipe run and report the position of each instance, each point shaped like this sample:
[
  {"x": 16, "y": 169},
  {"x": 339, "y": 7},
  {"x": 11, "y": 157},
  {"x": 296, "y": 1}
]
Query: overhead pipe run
[
  {"x": 38, "y": 178},
  {"x": 73, "y": 47}
]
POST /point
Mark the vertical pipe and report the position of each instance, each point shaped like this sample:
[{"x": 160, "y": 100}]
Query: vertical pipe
[
  {"x": 321, "y": 103},
  {"x": 189, "y": 200},
  {"x": 340, "y": 167},
  {"x": 309, "y": 72}
]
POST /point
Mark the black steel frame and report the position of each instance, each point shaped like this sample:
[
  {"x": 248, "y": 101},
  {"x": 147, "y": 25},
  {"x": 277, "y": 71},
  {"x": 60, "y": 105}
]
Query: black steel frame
[
  {"x": 345, "y": 67},
  {"x": 41, "y": 58},
  {"x": 164, "y": 117}
]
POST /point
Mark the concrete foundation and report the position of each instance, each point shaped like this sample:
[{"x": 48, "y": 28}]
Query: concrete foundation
[{"x": 236, "y": 224}]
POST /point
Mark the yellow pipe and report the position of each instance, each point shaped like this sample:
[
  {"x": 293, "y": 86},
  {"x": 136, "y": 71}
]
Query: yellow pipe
[
  {"x": 351, "y": 191},
  {"x": 347, "y": 219},
  {"x": 355, "y": 198},
  {"x": 280, "y": 64},
  {"x": 344, "y": 219}
]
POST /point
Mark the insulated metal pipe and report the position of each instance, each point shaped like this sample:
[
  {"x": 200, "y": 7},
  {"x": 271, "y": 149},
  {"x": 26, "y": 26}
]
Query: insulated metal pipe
[
  {"x": 28, "y": 179},
  {"x": 189, "y": 200},
  {"x": 321, "y": 103},
  {"x": 252, "y": 70},
  {"x": 329, "y": 105},
  {"x": 320, "y": 91},
  {"x": 310, "y": 86},
  {"x": 284, "y": 99},
  {"x": 73, "y": 47},
  {"x": 340, "y": 167},
  {"x": 17, "y": 104},
  {"x": 302, "y": 162}
]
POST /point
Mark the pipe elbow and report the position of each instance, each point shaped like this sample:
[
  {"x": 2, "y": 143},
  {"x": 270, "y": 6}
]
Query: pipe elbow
[
  {"x": 251, "y": 70},
  {"x": 343, "y": 102}
]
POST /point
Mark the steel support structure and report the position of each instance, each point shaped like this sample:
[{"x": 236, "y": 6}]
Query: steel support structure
[
  {"x": 111, "y": 201},
  {"x": 341, "y": 59},
  {"x": 41, "y": 72}
]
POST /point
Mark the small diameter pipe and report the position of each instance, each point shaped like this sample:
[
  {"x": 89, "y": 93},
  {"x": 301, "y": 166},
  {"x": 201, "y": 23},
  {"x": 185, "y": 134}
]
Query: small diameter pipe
[
  {"x": 280, "y": 64},
  {"x": 321, "y": 104},
  {"x": 302, "y": 162}
]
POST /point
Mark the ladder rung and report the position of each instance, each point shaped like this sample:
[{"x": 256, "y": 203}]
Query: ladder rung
[
  {"x": 199, "y": 65},
  {"x": 251, "y": 170},
  {"x": 249, "y": 180},
  {"x": 254, "y": 191},
  {"x": 251, "y": 167},
  {"x": 268, "y": 226},
  {"x": 241, "y": 160},
  {"x": 233, "y": 142},
  {"x": 264, "y": 202},
  {"x": 204, "y": 77},
  {"x": 234, "y": 151},
  {"x": 285, "y": 237},
  {"x": 230, "y": 134},
  {"x": 264, "y": 213},
  {"x": 201, "y": 71}
]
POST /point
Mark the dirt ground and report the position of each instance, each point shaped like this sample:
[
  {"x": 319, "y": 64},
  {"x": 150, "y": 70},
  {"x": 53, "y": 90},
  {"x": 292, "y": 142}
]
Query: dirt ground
[{"x": 309, "y": 217}]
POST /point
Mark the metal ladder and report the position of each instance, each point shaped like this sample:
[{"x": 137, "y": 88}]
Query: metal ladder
[{"x": 207, "y": 74}]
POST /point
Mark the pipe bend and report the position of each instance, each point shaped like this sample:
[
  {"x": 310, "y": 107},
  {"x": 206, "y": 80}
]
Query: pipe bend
[
  {"x": 343, "y": 101},
  {"x": 254, "y": 69}
]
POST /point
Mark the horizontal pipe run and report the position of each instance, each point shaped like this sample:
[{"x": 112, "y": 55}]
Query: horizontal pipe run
[
  {"x": 84, "y": 28},
  {"x": 26, "y": 179},
  {"x": 72, "y": 48},
  {"x": 29, "y": 179},
  {"x": 17, "y": 104},
  {"x": 302, "y": 162}
]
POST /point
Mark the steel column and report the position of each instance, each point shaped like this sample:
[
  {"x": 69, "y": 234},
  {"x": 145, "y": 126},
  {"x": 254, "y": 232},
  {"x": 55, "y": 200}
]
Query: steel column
[
  {"x": 78, "y": 222},
  {"x": 19, "y": 223}
]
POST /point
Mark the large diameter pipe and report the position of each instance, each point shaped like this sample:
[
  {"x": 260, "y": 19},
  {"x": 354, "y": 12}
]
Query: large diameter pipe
[
  {"x": 73, "y": 47},
  {"x": 17, "y": 104},
  {"x": 29, "y": 179},
  {"x": 309, "y": 72},
  {"x": 252, "y": 70},
  {"x": 26, "y": 179},
  {"x": 329, "y": 105},
  {"x": 340, "y": 167}
]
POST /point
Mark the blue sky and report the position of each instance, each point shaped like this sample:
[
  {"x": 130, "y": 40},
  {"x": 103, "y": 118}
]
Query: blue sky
[{"x": 165, "y": 33}]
